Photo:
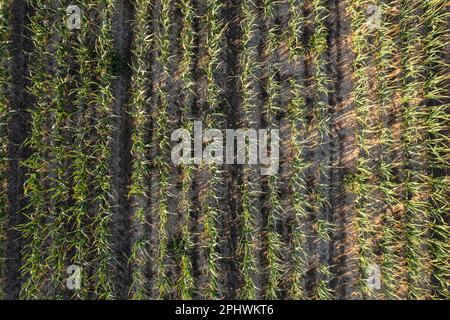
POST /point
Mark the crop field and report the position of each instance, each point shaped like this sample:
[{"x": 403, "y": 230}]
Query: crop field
[{"x": 92, "y": 205}]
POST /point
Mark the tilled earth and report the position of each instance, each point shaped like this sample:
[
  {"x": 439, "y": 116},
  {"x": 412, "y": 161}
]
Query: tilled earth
[{"x": 87, "y": 179}]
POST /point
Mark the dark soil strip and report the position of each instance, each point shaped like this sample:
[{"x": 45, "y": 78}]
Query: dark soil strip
[
  {"x": 195, "y": 115},
  {"x": 18, "y": 130},
  {"x": 200, "y": 174},
  {"x": 120, "y": 166},
  {"x": 334, "y": 35},
  {"x": 233, "y": 35},
  {"x": 344, "y": 247},
  {"x": 332, "y": 44},
  {"x": 262, "y": 218},
  {"x": 309, "y": 156},
  {"x": 174, "y": 88}
]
